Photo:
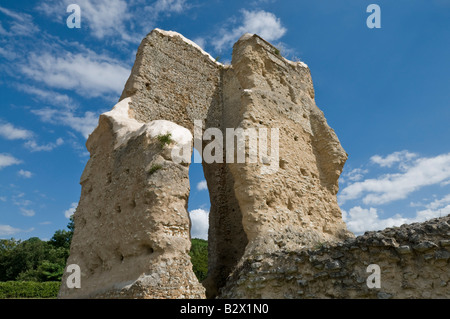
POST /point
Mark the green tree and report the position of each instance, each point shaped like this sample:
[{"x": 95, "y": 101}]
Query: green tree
[
  {"x": 199, "y": 258},
  {"x": 7, "y": 247},
  {"x": 61, "y": 238},
  {"x": 71, "y": 225},
  {"x": 49, "y": 271},
  {"x": 26, "y": 256},
  {"x": 34, "y": 259}
]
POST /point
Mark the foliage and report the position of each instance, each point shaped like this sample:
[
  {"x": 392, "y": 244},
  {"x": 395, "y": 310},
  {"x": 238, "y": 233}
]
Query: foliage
[
  {"x": 34, "y": 259},
  {"x": 277, "y": 52},
  {"x": 61, "y": 238},
  {"x": 154, "y": 168},
  {"x": 29, "y": 289},
  {"x": 33, "y": 268},
  {"x": 7, "y": 248},
  {"x": 199, "y": 257},
  {"x": 46, "y": 271},
  {"x": 319, "y": 245},
  {"x": 71, "y": 226},
  {"x": 165, "y": 139}
]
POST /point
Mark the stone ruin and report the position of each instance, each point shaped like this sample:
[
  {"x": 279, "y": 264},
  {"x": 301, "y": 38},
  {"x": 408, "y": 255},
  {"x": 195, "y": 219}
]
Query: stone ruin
[{"x": 132, "y": 227}]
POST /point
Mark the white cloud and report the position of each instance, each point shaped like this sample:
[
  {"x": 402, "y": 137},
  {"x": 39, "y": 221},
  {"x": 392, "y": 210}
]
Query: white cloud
[
  {"x": 83, "y": 124},
  {"x": 354, "y": 175},
  {"x": 34, "y": 147},
  {"x": 439, "y": 203},
  {"x": 202, "y": 186},
  {"x": 88, "y": 73},
  {"x": 445, "y": 183},
  {"x": 3, "y": 198},
  {"x": 201, "y": 42},
  {"x": 167, "y": 6},
  {"x": 48, "y": 96},
  {"x": 431, "y": 213},
  {"x": 21, "y": 24},
  {"x": 101, "y": 17},
  {"x": 10, "y": 132},
  {"x": 27, "y": 212},
  {"x": 2, "y": 30},
  {"x": 20, "y": 195},
  {"x": 7, "y": 53},
  {"x": 105, "y": 17},
  {"x": 265, "y": 24},
  {"x": 396, "y": 157},
  {"x": 200, "y": 223},
  {"x": 20, "y": 201},
  {"x": 25, "y": 174},
  {"x": 359, "y": 219},
  {"x": 390, "y": 187},
  {"x": 119, "y": 20},
  {"x": 69, "y": 212},
  {"x": 7, "y": 230},
  {"x": 8, "y": 160}
]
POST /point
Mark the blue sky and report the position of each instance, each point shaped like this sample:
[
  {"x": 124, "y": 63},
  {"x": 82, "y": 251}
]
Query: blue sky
[{"x": 384, "y": 91}]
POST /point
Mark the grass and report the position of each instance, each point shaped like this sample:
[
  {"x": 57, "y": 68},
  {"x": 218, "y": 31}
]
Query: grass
[
  {"x": 165, "y": 139},
  {"x": 154, "y": 168}
]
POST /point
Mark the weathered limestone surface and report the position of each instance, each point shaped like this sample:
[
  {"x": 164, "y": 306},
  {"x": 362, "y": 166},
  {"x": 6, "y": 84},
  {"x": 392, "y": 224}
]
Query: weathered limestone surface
[
  {"x": 413, "y": 259},
  {"x": 296, "y": 206},
  {"x": 124, "y": 211},
  {"x": 131, "y": 236},
  {"x": 132, "y": 227},
  {"x": 174, "y": 80}
]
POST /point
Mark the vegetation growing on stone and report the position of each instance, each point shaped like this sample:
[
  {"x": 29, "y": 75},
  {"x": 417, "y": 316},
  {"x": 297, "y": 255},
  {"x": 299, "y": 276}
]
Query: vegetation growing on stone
[
  {"x": 154, "y": 168},
  {"x": 165, "y": 139}
]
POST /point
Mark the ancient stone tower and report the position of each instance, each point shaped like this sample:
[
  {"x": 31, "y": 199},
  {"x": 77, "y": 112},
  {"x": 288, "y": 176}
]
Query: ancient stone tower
[{"x": 132, "y": 228}]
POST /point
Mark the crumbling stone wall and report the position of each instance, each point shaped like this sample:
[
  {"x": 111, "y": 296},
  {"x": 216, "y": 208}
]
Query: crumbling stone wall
[
  {"x": 131, "y": 236},
  {"x": 413, "y": 260},
  {"x": 295, "y": 205},
  {"x": 173, "y": 79}
]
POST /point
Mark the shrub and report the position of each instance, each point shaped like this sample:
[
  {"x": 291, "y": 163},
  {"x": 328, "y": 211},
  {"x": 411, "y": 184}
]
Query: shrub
[{"x": 29, "y": 289}]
